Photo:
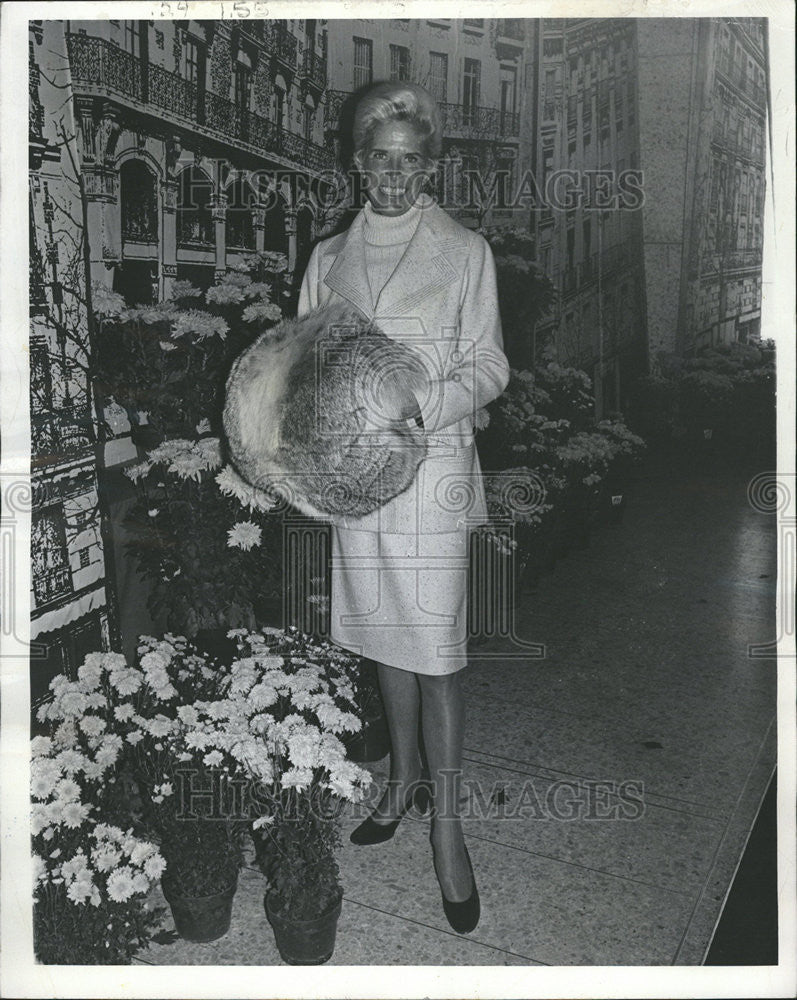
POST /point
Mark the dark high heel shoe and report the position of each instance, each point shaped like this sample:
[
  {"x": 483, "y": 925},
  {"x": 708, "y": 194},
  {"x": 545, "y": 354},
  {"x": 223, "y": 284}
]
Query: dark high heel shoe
[
  {"x": 371, "y": 832},
  {"x": 464, "y": 916}
]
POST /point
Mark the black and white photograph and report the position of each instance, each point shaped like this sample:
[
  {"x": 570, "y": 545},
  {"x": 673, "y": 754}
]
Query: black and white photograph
[{"x": 398, "y": 500}]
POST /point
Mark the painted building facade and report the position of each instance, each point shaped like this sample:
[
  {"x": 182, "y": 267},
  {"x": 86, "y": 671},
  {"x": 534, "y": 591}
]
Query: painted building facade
[{"x": 667, "y": 259}]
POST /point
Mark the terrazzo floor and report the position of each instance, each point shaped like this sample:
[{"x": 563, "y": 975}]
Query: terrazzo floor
[{"x": 639, "y": 748}]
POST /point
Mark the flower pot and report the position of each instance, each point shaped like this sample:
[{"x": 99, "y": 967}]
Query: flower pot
[
  {"x": 200, "y": 918},
  {"x": 304, "y": 942}
]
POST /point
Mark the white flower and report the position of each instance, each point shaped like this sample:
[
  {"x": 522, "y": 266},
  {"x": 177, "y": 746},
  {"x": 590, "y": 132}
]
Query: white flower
[
  {"x": 262, "y": 312},
  {"x": 140, "y": 883},
  {"x": 105, "y": 302},
  {"x": 224, "y": 294},
  {"x": 92, "y": 725},
  {"x": 39, "y": 869},
  {"x": 75, "y": 866},
  {"x": 134, "y": 737},
  {"x": 297, "y": 777},
  {"x": 184, "y": 290},
  {"x": 126, "y": 681},
  {"x": 244, "y": 535},
  {"x": 201, "y": 324},
  {"x": 67, "y": 790},
  {"x": 124, "y": 712},
  {"x": 213, "y": 759},
  {"x": 106, "y": 755},
  {"x": 136, "y": 472},
  {"x": 70, "y": 761},
  {"x": 262, "y": 821},
  {"x": 154, "y": 866},
  {"x": 159, "y": 726},
  {"x": 120, "y": 884},
  {"x": 40, "y": 786},
  {"x": 197, "y": 740},
  {"x": 104, "y": 831},
  {"x": 71, "y": 703},
  {"x": 106, "y": 857},
  {"x": 188, "y": 715},
  {"x": 303, "y": 750},
  {"x": 188, "y": 467},
  {"x": 89, "y": 674},
  {"x": 141, "y": 852},
  {"x": 231, "y": 484},
  {"x": 74, "y": 813},
  {"x": 262, "y": 695},
  {"x": 203, "y": 427}
]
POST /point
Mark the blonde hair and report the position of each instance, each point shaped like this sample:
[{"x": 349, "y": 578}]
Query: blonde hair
[{"x": 398, "y": 101}]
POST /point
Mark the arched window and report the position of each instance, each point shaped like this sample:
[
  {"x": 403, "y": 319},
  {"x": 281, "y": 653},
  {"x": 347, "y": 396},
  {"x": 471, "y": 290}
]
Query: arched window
[
  {"x": 240, "y": 230},
  {"x": 275, "y": 238},
  {"x": 139, "y": 201},
  {"x": 194, "y": 218}
]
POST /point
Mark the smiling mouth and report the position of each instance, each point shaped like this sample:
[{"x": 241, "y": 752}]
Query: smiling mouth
[{"x": 392, "y": 192}]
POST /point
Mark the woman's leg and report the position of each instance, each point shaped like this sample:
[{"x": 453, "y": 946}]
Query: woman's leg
[
  {"x": 443, "y": 720},
  {"x": 401, "y": 699}
]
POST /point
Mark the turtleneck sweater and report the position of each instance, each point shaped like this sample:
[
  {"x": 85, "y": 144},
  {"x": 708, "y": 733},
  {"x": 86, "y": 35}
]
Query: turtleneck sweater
[{"x": 386, "y": 238}]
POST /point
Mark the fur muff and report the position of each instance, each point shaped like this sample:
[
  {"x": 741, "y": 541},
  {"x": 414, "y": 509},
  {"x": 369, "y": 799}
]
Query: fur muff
[{"x": 313, "y": 413}]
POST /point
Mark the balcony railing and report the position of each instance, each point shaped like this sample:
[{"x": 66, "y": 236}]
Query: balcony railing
[
  {"x": 314, "y": 69},
  {"x": 475, "y": 122},
  {"x": 174, "y": 93},
  {"x": 284, "y": 45},
  {"x": 97, "y": 63}
]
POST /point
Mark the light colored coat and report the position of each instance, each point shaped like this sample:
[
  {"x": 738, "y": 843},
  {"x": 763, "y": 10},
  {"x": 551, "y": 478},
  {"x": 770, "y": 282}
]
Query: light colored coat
[{"x": 442, "y": 301}]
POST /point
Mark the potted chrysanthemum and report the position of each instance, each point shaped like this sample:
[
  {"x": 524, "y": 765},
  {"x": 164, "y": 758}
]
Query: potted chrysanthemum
[
  {"x": 184, "y": 784},
  {"x": 289, "y": 702},
  {"x": 93, "y": 873}
]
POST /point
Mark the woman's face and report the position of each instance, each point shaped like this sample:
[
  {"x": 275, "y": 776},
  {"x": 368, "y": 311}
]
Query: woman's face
[{"x": 395, "y": 166}]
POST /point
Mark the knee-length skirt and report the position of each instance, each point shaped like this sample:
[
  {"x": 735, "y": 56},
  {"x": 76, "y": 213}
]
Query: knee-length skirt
[{"x": 401, "y": 599}]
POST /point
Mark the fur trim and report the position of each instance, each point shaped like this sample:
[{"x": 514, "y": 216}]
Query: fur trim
[{"x": 311, "y": 413}]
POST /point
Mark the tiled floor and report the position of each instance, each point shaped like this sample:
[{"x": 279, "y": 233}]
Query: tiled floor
[{"x": 645, "y": 680}]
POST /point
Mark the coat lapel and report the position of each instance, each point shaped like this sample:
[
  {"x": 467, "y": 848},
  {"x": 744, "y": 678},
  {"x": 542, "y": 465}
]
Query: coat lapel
[
  {"x": 348, "y": 276},
  {"x": 424, "y": 269}
]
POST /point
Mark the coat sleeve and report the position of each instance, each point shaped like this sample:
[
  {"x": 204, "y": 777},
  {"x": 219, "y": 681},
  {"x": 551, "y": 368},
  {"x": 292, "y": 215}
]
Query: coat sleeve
[
  {"x": 477, "y": 371},
  {"x": 308, "y": 294}
]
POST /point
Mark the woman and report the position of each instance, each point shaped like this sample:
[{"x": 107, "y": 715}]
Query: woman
[{"x": 399, "y": 575}]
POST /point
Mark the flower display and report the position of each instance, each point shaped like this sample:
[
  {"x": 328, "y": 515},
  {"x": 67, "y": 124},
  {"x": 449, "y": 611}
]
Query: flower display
[
  {"x": 287, "y": 703},
  {"x": 91, "y": 876}
]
